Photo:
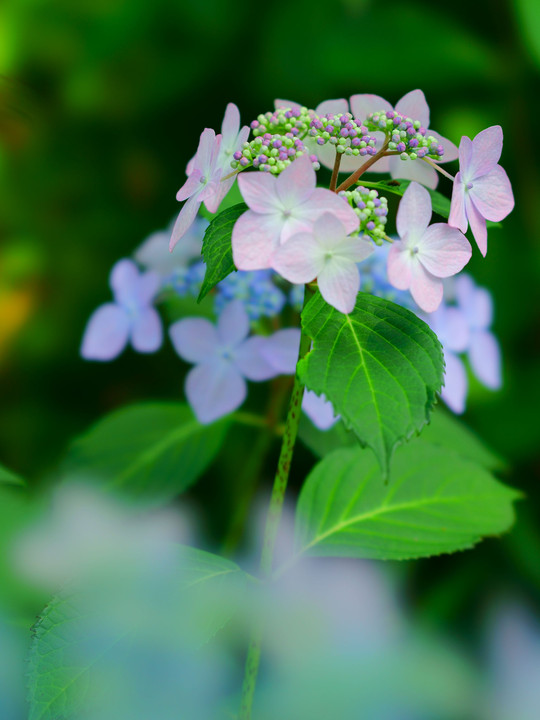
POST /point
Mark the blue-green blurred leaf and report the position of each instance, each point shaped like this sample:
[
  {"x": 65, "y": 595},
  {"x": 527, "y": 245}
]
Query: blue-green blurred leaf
[{"x": 151, "y": 451}]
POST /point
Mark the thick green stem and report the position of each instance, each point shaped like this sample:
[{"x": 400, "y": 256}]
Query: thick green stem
[
  {"x": 362, "y": 169},
  {"x": 273, "y": 519}
]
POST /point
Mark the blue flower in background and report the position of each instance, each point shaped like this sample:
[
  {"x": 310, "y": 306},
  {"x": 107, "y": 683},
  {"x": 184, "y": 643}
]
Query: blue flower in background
[
  {"x": 255, "y": 289},
  {"x": 130, "y": 318}
]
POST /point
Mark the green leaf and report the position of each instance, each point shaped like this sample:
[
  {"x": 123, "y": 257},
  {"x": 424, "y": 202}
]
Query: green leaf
[
  {"x": 217, "y": 249},
  {"x": 439, "y": 202},
  {"x": 443, "y": 429},
  {"x": 150, "y": 451},
  {"x": 9, "y": 478},
  {"x": 85, "y": 636},
  {"x": 322, "y": 442},
  {"x": 381, "y": 367},
  {"x": 449, "y": 432},
  {"x": 437, "y": 502}
]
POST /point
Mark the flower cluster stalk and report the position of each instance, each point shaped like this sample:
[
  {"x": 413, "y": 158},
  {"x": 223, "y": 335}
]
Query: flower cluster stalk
[{"x": 273, "y": 518}]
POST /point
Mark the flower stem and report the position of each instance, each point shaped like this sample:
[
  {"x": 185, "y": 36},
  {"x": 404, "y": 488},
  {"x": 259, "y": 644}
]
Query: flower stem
[
  {"x": 439, "y": 169},
  {"x": 273, "y": 519},
  {"x": 335, "y": 172},
  {"x": 362, "y": 169}
]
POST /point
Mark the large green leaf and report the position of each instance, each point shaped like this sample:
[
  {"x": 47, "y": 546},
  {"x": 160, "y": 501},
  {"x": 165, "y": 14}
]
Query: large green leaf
[
  {"x": 150, "y": 451},
  {"x": 381, "y": 367},
  {"x": 217, "y": 249},
  {"x": 439, "y": 202},
  {"x": 442, "y": 429},
  {"x": 87, "y": 643},
  {"x": 437, "y": 502}
]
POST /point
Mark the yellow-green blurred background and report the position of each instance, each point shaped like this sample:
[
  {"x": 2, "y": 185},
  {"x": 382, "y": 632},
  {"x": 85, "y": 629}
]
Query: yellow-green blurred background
[{"x": 101, "y": 106}]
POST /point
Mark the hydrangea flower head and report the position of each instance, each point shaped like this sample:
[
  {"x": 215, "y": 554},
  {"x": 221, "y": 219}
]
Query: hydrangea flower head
[
  {"x": 424, "y": 255},
  {"x": 279, "y": 207},
  {"x": 130, "y": 318},
  {"x": 328, "y": 254},
  {"x": 482, "y": 190}
]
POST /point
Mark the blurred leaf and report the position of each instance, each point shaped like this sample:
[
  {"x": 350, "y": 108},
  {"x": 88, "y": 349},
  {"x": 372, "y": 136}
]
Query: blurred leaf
[
  {"x": 9, "y": 478},
  {"x": 380, "y": 366},
  {"x": 217, "y": 249},
  {"x": 84, "y": 635},
  {"x": 440, "y": 203},
  {"x": 151, "y": 451},
  {"x": 528, "y": 14},
  {"x": 443, "y": 429},
  {"x": 322, "y": 442},
  {"x": 449, "y": 432},
  {"x": 437, "y": 502}
]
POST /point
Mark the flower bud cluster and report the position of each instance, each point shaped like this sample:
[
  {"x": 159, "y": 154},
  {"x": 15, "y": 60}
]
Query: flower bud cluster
[
  {"x": 255, "y": 289},
  {"x": 371, "y": 209},
  {"x": 188, "y": 280},
  {"x": 283, "y": 121},
  {"x": 271, "y": 153},
  {"x": 406, "y": 136},
  {"x": 344, "y": 133}
]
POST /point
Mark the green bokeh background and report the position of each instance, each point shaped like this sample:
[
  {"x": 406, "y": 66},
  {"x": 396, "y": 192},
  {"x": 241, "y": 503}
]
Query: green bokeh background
[{"x": 101, "y": 106}]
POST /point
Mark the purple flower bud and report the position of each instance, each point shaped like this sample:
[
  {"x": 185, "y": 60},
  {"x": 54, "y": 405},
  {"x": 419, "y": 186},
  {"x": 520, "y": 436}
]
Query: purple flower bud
[
  {"x": 343, "y": 119},
  {"x": 282, "y": 155},
  {"x": 361, "y": 204},
  {"x": 401, "y": 147},
  {"x": 244, "y": 162},
  {"x": 363, "y": 151},
  {"x": 413, "y": 143},
  {"x": 313, "y": 158},
  {"x": 390, "y": 114},
  {"x": 255, "y": 124},
  {"x": 355, "y": 142},
  {"x": 343, "y": 132},
  {"x": 422, "y": 130},
  {"x": 320, "y": 141},
  {"x": 291, "y": 152},
  {"x": 370, "y": 225},
  {"x": 263, "y": 158},
  {"x": 329, "y": 128},
  {"x": 237, "y": 155},
  {"x": 277, "y": 143},
  {"x": 377, "y": 202}
]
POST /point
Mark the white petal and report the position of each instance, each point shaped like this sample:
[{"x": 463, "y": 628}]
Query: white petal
[
  {"x": 477, "y": 223},
  {"x": 147, "y": 331},
  {"x": 492, "y": 195},
  {"x": 281, "y": 350},
  {"x": 399, "y": 266},
  {"x": 254, "y": 239},
  {"x": 443, "y": 250},
  {"x": 426, "y": 289},
  {"x": 458, "y": 215},
  {"x": 319, "y": 410},
  {"x": 123, "y": 280},
  {"x": 233, "y": 324},
  {"x": 339, "y": 283},
  {"x": 194, "y": 339},
  {"x": 250, "y": 359},
  {"x": 259, "y": 191},
  {"x": 106, "y": 333},
  {"x": 454, "y": 392},
  {"x": 296, "y": 183},
  {"x": 185, "y": 219},
  {"x": 485, "y": 357},
  {"x": 416, "y": 170},
  {"x": 414, "y": 212},
  {"x": 365, "y": 104},
  {"x": 300, "y": 259},
  {"x": 332, "y": 107},
  {"x": 414, "y": 105},
  {"x": 214, "y": 389}
]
